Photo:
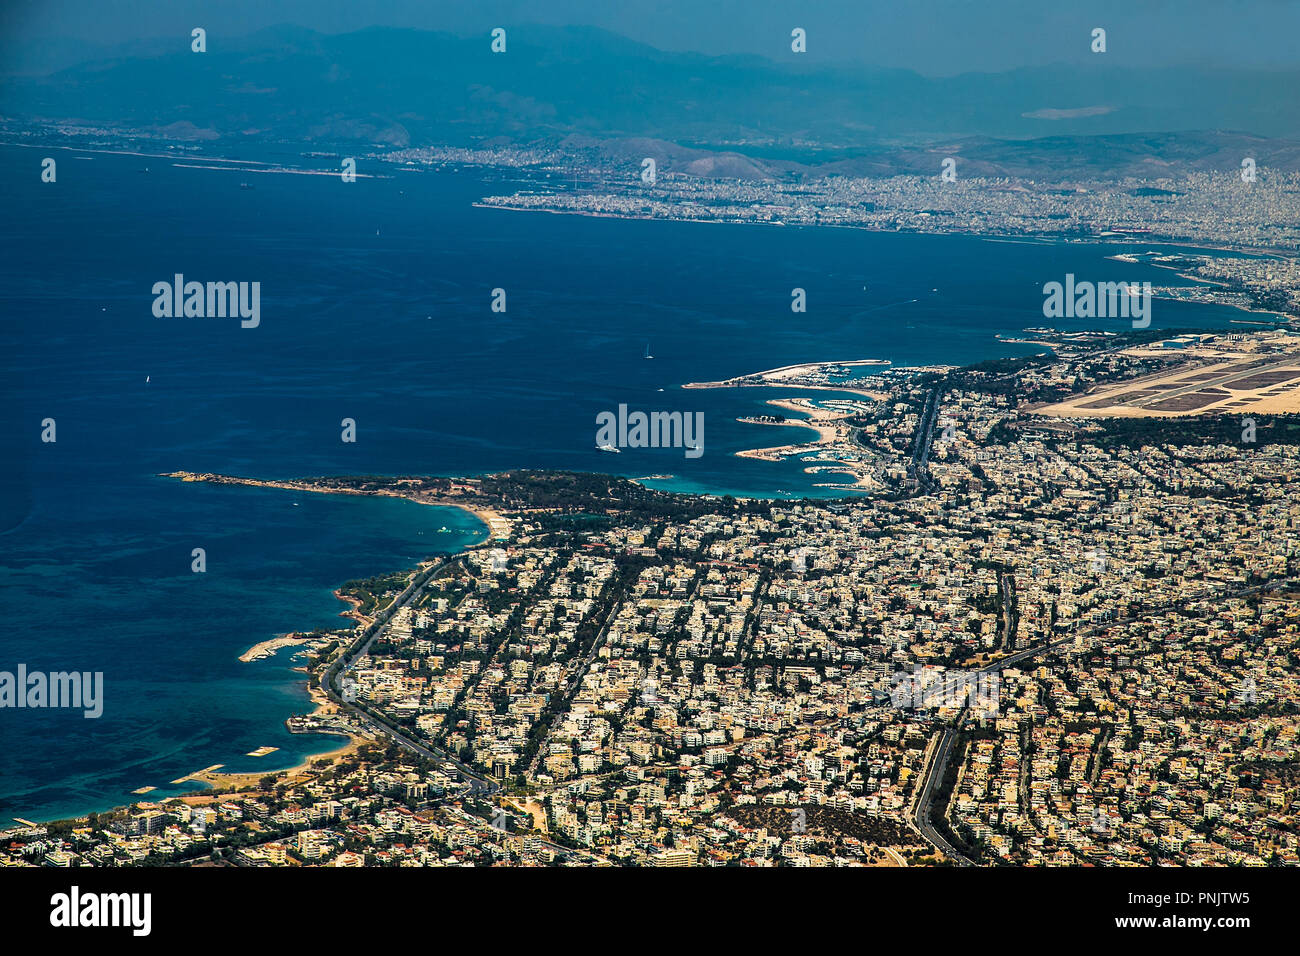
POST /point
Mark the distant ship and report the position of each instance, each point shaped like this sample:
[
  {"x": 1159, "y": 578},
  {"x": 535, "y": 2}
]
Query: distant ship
[
  {"x": 647, "y": 351},
  {"x": 607, "y": 447}
]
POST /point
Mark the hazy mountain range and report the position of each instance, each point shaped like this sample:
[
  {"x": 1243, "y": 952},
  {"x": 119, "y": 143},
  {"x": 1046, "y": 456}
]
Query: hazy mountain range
[{"x": 727, "y": 115}]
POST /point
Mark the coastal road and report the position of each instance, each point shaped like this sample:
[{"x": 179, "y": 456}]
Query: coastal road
[{"x": 378, "y": 724}]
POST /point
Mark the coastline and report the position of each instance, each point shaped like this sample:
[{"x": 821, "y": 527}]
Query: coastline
[
  {"x": 270, "y": 647},
  {"x": 833, "y": 434},
  {"x": 835, "y": 445},
  {"x": 225, "y": 782},
  {"x": 212, "y": 783},
  {"x": 819, "y": 420},
  {"x": 496, "y": 524},
  {"x": 1044, "y": 237},
  {"x": 220, "y": 783}
]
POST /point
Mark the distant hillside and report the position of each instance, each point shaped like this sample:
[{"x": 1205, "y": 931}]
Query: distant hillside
[
  {"x": 401, "y": 87},
  {"x": 1046, "y": 159}
]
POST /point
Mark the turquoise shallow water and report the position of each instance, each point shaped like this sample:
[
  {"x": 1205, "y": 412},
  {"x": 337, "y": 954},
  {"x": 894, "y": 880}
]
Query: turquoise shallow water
[
  {"x": 113, "y": 591},
  {"x": 393, "y": 330}
]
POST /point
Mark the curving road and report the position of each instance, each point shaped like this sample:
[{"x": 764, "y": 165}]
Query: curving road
[
  {"x": 347, "y": 660},
  {"x": 934, "y": 773}
]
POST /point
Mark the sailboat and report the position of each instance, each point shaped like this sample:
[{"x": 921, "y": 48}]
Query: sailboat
[{"x": 647, "y": 351}]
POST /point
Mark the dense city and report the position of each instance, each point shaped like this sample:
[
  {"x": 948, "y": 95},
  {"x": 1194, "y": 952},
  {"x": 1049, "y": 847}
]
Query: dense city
[{"x": 1039, "y": 641}]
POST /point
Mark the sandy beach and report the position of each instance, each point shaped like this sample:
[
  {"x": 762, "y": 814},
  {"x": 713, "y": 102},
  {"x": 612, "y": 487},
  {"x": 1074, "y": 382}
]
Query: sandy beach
[
  {"x": 225, "y": 782},
  {"x": 834, "y": 436}
]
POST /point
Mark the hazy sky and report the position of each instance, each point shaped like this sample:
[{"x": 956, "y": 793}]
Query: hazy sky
[{"x": 929, "y": 36}]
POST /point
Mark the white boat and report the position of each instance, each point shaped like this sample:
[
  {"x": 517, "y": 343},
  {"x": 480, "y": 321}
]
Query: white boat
[
  {"x": 647, "y": 351},
  {"x": 607, "y": 447}
]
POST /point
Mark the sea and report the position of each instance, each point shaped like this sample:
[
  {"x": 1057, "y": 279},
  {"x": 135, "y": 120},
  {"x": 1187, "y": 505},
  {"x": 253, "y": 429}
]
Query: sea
[{"x": 376, "y": 306}]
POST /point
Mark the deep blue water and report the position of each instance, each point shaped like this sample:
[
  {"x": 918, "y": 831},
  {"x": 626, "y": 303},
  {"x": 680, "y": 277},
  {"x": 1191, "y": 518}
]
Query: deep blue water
[{"x": 395, "y": 331}]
